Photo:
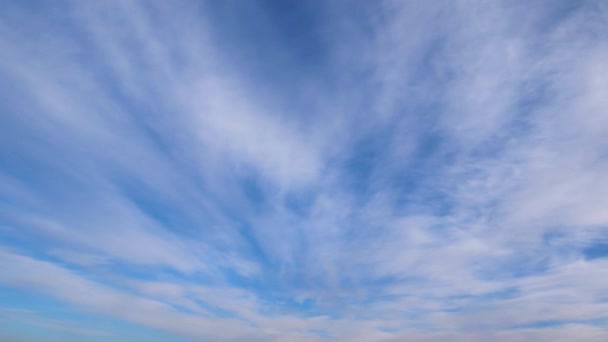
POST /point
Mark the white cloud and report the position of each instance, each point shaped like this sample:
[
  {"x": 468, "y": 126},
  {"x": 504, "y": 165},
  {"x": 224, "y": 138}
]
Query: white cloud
[{"x": 488, "y": 134}]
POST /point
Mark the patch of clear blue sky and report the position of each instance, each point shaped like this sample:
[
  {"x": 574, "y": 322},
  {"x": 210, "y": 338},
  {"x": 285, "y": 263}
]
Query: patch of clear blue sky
[{"x": 37, "y": 317}]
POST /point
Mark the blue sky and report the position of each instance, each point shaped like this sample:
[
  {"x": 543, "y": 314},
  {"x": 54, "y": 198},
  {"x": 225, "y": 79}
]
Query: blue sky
[{"x": 303, "y": 170}]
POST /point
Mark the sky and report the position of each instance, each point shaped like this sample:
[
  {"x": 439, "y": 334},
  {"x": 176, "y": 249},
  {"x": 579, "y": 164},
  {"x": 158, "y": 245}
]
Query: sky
[{"x": 303, "y": 171}]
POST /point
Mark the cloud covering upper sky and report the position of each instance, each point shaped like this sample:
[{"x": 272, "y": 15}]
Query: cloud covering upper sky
[{"x": 304, "y": 170}]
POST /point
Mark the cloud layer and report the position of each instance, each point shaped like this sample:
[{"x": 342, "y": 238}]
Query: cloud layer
[{"x": 353, "y": 171}]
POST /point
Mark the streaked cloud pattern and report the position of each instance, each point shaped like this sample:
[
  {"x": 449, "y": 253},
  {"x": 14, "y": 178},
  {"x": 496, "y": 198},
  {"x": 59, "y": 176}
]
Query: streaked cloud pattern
[{"x": 303, "y": 171}]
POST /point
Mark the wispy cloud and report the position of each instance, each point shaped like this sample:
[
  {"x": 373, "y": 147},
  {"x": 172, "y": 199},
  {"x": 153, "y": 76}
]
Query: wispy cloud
[{"x": 388, "y": 171}]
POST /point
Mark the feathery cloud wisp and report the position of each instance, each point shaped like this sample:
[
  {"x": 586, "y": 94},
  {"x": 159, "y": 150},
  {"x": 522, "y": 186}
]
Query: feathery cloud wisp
[{"x": 388, "y": 171}]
